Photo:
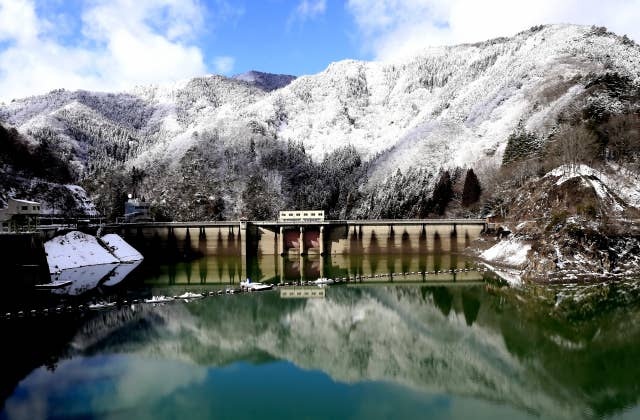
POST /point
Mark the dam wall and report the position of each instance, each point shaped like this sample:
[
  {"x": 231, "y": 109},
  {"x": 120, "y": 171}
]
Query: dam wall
[{"x": 183, "y": 240}]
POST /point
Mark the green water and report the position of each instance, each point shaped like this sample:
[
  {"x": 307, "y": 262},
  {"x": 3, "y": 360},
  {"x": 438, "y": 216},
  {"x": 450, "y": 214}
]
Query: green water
[{"x": 370, "y": 350}]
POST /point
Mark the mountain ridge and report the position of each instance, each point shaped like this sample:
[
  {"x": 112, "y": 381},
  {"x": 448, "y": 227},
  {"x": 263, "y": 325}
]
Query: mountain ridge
[
  {"x": 266, "y": 81},
  {"x": 444, "y": 108}
]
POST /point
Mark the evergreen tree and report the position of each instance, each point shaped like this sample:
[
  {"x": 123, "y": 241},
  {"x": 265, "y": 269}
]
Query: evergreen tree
[
  {"x": 472, "y": 189},
  {"x": 136, "y": 178},
  {"x": 442, "y": 193},
  {"x": 256, "y": 200},
  {"x": 521, "y": 145},
  {"x": 252, "y": 150}
]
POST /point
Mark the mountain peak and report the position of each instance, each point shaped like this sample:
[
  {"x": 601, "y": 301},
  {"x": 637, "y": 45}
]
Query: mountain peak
[{"x": 265, "y": 81}]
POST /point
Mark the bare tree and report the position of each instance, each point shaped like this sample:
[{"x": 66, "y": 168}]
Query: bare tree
[
  {"x": 573, "y": 146},
  {"x": 623, "y": 135}
]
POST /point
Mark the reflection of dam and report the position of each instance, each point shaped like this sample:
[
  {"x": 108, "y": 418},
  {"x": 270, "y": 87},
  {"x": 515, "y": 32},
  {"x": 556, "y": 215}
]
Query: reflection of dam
[
  {"x": 373, "y": 268},
  {"x": 302, "y": 238}
]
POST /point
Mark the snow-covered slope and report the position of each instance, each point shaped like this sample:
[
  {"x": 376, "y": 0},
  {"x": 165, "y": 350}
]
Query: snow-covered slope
[
  {"x": 265, "y": 81},
  {"x": 446, "y": 106},
  {"x": 449, "y": 105},
  {"x": 510, "y": 252},
  {"x": 76, "y": 249},
  {"x": 614, "y": 185},
  {"x": 120, "y": 249}
]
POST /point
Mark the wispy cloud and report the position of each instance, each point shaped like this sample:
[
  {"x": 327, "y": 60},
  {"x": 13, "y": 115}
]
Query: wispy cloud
[
  {"x": 395, "y": 28},
  {"x": 120, "y": 43},
  {"x": 224, "y": 64},
  {"x": 306, "y": 10}
]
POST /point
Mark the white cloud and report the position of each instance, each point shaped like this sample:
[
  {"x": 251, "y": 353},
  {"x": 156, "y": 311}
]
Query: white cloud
[
  {"x": 307, "y": 9},
  {"x": 17, "y": 21},
  {"x": 123, "y": 43},
  {"x": 395, "y": 28},
  {"x": 224, "y": 64}
]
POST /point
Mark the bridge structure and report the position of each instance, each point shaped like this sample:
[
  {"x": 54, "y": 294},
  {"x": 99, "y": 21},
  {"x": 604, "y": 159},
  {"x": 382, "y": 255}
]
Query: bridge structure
[{"x": 243, "y": 237}]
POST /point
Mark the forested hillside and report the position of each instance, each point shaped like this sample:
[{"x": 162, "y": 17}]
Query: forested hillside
[
  {"x": 361, "y": 139},
  {"x": 38, "y": 171}
]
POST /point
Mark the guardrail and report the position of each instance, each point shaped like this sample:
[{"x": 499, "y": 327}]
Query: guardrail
[{"x": 355, "y": 222}]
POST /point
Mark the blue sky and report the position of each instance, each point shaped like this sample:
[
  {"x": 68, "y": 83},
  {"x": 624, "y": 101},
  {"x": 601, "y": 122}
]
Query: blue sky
[
  {"x": 276, "y": 36},
  {"x": 273, "y": 36},
  {"x": 109, "y": 45}
]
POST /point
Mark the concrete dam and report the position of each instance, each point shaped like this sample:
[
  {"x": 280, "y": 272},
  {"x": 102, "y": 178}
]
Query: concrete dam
[{"x": 258, "y": 238}]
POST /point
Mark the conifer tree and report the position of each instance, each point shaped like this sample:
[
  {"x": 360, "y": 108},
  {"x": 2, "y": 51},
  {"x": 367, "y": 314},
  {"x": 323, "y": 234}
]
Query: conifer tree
[
  {"x": 442, "y": 193},
  {"x": 472, "y": 189}
]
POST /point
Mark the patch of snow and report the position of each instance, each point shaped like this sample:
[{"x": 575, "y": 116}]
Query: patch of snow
[
  {"x": 511, "y": 251},
  {"x": 567, "y": 172},
  {"x": 76, "y": 249},
  {"x": 603, "y": 194},
  {"x": 120, "y": 249},
  {"x": 561, "y": 263},
  {"x": 603, "y": 184},
  {"x": 624, "y": 183}
]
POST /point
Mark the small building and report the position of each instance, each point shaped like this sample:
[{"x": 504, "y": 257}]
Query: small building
[
  {"x": 136, "y": 210},
  {"x": 490, "y": 220},
  {"x": 19, "y": 215},
  {"x": 301, "y": 216}
]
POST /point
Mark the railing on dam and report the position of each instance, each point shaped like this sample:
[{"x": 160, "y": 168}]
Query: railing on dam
[
  {"x": 176, "y": 224},
  {"x": 356, "y": 222}
]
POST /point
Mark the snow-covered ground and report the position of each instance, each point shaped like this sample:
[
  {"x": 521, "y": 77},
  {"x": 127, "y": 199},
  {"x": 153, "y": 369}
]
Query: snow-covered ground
[
  {"x": 120, "y": 249},
  {"x": 77, "y": 249},
  {"x": 611, "y": 184},
  {"x": 512, "y": 252}
]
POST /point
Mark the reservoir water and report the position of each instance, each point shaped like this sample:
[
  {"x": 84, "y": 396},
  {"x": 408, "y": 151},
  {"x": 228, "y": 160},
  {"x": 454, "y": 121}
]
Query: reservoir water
[{"x": 450, "y": 345}]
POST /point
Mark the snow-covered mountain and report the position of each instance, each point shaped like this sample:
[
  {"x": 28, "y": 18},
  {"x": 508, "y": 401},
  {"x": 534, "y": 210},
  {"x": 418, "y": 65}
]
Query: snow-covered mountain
[
  {"x": 446, "y": 107},
  {"x": 265, "y": 81}
]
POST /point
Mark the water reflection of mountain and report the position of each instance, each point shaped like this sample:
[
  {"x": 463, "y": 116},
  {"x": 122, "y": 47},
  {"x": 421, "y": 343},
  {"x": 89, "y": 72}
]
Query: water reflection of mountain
[{"x": 458, "y": 340}]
